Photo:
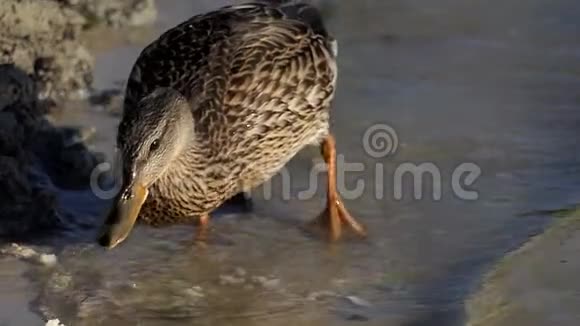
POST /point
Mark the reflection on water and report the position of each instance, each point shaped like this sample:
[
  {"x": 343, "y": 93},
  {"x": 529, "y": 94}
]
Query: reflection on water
[{"x": 460, "y": 81}]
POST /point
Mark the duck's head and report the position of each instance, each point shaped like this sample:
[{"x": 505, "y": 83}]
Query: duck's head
[{"x": 150, "y": 137}]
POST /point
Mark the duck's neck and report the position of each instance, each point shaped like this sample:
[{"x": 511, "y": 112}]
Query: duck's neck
[{"x": 188, "y": 183}]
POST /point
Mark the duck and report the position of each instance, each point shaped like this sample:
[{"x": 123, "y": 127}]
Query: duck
[{"x": 218, "y": 105}]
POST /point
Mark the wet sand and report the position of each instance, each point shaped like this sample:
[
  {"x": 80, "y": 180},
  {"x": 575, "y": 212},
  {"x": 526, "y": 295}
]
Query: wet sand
[
  {"x": 535, "y": 285},
  {"x": 17, "y": 293}
]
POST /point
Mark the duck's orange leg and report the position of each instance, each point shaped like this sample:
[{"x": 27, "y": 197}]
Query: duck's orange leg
[
  {"x": 202, "y": 229},
  {"x": 336, "y": 213}
]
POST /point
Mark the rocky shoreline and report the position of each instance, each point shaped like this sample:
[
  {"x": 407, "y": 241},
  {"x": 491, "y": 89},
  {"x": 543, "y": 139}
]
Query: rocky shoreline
[
  {"x": 44, "y": 38},
  {"x": 43, "y": 63},
  {"x": 115, "y": 13}
]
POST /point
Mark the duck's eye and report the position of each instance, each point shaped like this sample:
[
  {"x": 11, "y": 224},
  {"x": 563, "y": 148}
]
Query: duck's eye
[{"x": 154, "y": 145}]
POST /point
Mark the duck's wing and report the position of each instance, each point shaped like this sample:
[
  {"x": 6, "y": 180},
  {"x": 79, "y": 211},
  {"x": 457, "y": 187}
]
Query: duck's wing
[
  {"x": 229, "y": 57},
  {"x": 177, "y": 56},
  {"x": 279, "y": 67}
]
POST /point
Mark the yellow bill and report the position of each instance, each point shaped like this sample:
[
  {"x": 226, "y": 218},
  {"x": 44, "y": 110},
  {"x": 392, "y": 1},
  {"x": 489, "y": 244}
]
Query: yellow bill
[{"x": 123, "y": 216}]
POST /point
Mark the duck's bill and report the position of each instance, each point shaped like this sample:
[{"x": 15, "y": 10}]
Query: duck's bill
[{"x": 122, "y": 217}]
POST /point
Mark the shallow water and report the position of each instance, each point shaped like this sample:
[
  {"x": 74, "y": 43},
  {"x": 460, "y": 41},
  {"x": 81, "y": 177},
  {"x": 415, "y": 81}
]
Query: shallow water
[{"x": 459, "y": 82}]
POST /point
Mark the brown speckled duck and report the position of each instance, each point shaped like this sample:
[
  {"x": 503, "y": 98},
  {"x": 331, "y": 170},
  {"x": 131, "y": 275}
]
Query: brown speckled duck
[{"x": 218, "y": 105}]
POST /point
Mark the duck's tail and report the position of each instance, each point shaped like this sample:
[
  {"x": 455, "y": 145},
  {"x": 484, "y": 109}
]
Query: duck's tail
[
  {"x": 301, "y": 11},
  {"x": 308, "y": 14}
]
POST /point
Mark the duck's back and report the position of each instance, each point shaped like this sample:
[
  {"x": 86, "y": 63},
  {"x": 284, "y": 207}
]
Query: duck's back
[{"x": 183, "y": 56}]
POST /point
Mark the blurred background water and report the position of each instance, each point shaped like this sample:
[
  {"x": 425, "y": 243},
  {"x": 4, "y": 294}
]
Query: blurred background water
[{"x": 495, "y": 84}]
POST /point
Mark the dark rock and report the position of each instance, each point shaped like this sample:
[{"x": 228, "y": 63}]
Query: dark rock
[
  {"x": 23, "y": 208},
  {"x": 111, "y": 100},
  {"x": 36, "y": 159}
]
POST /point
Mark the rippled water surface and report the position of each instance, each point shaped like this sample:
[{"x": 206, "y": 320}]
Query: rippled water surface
[{"x": 460, "y": 82}]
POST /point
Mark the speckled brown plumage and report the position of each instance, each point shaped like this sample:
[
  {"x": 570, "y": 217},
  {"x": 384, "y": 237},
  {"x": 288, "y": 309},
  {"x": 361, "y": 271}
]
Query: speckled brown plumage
[
  {"x": 218, "y": 105},
  {"x": 259, "y": 80}
]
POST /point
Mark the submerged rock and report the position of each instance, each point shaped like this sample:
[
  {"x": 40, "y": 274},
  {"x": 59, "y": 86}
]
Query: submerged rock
[
  {"x": 110, "y": 100},
  {"x": 27, "y": 253},
  {"x": 231, "y": 280},
  {"x": 356, "y": 301},
  {"x": 53, "y": 322},
  {"x": 49, "y": 260},
  {"x": 265, "y": 282}
]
